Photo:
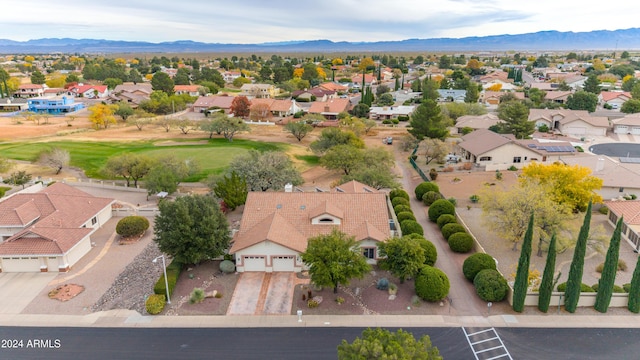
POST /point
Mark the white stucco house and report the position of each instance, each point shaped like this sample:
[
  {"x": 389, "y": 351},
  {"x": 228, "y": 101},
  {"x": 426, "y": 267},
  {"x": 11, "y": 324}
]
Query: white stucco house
[
  {"x": 276, "y": 226},
  {"x": 629, "y": 124},
  {"x": 49, "y": 230}
]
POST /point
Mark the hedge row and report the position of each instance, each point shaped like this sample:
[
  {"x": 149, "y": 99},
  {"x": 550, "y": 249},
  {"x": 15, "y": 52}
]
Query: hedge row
[
  {"x": 173, "y": 272},
  {"x": 489, "y": 283},
  {"x": 431, "y": 284}
]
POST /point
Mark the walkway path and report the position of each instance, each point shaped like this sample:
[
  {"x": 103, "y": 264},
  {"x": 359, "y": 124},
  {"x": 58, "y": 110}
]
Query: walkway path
[{"x": 462, "y": 296}]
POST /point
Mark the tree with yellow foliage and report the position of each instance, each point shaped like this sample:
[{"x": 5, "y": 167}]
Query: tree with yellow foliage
[
  {"x": 102, "y": 115},
  {"x": 29, "y": 59},
  {"x": 56, "y": 81},
  {"x": 336, "y": 61},
  {"x": 366, "y": 63},
  {"x": 494, "y": 87},
  {"x": 572, "y": 185},
  {"x": 120, "y": 61},
  {"x": 321, "y": 73},
  {"x": 297, "y": 73}
]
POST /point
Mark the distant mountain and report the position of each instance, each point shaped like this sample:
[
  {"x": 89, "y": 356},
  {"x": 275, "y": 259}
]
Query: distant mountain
[{"x": 627, "y": 39}]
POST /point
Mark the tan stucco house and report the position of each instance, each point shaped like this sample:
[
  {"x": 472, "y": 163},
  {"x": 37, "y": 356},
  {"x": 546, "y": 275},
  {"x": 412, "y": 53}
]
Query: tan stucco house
[{"x": 578, "y": 123}]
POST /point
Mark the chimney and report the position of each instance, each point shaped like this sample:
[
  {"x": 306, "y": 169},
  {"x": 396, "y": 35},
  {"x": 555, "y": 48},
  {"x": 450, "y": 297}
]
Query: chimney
[
  {"x": 600, "y": 164},
  {"x": 326, "y": 108},
  {"x": 288, "y": 188}
]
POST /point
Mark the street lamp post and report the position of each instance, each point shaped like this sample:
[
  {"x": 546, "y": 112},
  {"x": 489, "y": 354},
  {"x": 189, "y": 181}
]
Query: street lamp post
[{"x": 166, "y": 282}]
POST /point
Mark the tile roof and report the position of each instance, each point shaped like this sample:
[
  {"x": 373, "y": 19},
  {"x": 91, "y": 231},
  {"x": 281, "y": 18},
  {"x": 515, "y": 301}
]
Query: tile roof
[
  {"x": 610, "y": 95},
  {"x": 477, "y": 121},
  {"x": 223, "y": 102},
  {"x": 565, "y": 116},
  {"x": 333, "y": 86},
  {"x": 333, "y": 106},
  {"x": 43, "y": 241},
  {"x": 285, "y": 218},
  {"x": 482, "y": 140},
  {"x": 630, "y": 209},
  {"x": 353, "y": 187},
  {"x": 187, "y": 88},
  {"x": 629, "y": 120}
]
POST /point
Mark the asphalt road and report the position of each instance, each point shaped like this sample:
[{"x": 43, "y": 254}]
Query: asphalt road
[
  {"x": 299, "y": 343},
  {"x": 616, "y": 149}
]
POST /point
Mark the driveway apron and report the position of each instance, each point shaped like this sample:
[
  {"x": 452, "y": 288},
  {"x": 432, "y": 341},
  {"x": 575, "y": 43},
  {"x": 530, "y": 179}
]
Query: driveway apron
[{"x": 19, "y": 289}]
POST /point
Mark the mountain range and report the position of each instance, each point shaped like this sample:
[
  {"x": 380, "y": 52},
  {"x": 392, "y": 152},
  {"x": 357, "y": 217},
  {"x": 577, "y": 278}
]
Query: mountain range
[{"x": 625, "y": 39}]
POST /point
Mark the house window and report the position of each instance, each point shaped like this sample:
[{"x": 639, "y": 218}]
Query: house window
[
  {"x": 326, "y": 221},
  {"x": 485, "y": 158},
  {"x": 621, "y": 189},
  {"x": 94, "y": 221},
  {"x": 613, "y": 217},
  {"x": 624, "y": 228},
  {"x": 634, "y": 238},
  {"x": 369, "y": 253},
  {"x": 517, "y": 159}
]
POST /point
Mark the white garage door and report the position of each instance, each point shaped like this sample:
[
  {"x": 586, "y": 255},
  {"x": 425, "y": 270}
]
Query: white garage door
[
  {"x": 635, "y": 130},
  {"x": 577, "y": 130},
  {"x": 25, "y": 264},
  {"x": 621, "y": 129},
  {"x": 254, "y": 263},
  {"x": 283, "y": 263}
]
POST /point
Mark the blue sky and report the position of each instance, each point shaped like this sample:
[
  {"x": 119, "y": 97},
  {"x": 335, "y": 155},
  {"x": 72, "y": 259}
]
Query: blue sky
[{"x": 257, "y": 21}]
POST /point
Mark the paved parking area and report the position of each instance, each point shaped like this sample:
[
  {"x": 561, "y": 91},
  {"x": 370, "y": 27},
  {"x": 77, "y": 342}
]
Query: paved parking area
[{"x": 19, "y": 289}]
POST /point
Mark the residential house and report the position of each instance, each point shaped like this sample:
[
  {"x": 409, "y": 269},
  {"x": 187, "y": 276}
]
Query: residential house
[
  {"x": 54, "y": 106},
  {"x": 451, "y": 95},
  {"x": 313, "y": 94},
  {"x": 330, "y": 109},
  {"x": 390, "y": 112},
  {"x": 333, "y": 86},
  {"x": 615, "y": 99},
  {"x": 49, "y": 230},
  {"x": 30, "y": 90},
  {"x": 216, "y": 101},
  {"x": 276, "y": 226},
  {"x": 131, "y": 93},
  {"x": 576, "y": 82},
  {"x": 570, "y": 122},
  {"x": 629, "y": 124},
  {"x": 88, "y": 91},
  {"x": 192, "y": 90},
  {"x": 493, "y": 151},
  {"x": 258, "y": 91},
  {"x": 12, "y": 105},
  {"x": 369, "y": 80},
  {"x": 476, "y": 122},
  {"x": 544, "y": 86},
  {"x": 618, "y": 178},
  {"x": 503, "y": 85},
  {"x": 277, "y": 108},
  {"x": 492, "y": 98},
  {"x": 501, "y": 77},
  {"x": 49, "y": 92},
  {"x": 630, "y": 211},
  {"x": 559, "y": 97},
  {"x": 169, "y": 71},
  {"x": 229, "y": 76}
]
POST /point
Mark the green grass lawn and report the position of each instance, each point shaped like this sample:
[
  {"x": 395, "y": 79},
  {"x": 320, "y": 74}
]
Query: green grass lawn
[
  {"x": 213, "y": 157},
  {"x": 311, "y": 160}
]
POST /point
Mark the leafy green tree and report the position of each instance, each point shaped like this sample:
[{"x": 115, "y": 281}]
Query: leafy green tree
[
  {"x": 160, "y": 179},
  {"x": 404, "y": 256},
  {"x": 334, "y": 259},
  {"x": 342, "y": 157},
  {"x": 213, "y": 124},
  {"x": 263, "y": 171},
  {"x": 333, "y": 136},
  {"x": 124, "y": 110},
  {"x": 134, "y": 76},
  {"x": 4, "y": 89},
  {"x": 582, "y": 100},
  {"x": 430, "y": 90},
  {"x": 231, "y": 126},
  {"x": 37, "y": 77},
  {"x": 385, "y": 99},
  {"x": 574, "y": 281},
  {"x": 19, "y": 178},
  {"x": 631, "y": 106},
  {"x": 232, "y": 189},
  {"x": 360, "y": 110},
  {"x": 592, "y": 84},
  {"x": 516, "y": 119},
  {"x": 112, "y": 83},
  {"x": 191, "y": 229},
  {"x": 382, "y": 344},
  {"x": 299, "y": 129},
  {"x": 162, "y": 82},
  {"x": 521, "y": 283},
  {"x": 132, "y": 167},
  {"x": 546, "y": 284},
  {"x": 634, "y": 290},
  {"x": 608, "y": 277},
  {"x": 472, "y": 95},
  {"x": 427, "y": 121}
]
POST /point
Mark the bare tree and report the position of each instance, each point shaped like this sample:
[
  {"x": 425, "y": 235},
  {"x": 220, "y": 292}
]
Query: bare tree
[
  {"x": 185, "y": 125},
  {"x": 55, "y": 158}
]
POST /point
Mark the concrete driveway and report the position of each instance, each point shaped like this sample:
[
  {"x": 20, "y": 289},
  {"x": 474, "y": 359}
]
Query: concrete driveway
[
  {"x": 17, "y": 290},
  {"x": 259, "y": 293}
]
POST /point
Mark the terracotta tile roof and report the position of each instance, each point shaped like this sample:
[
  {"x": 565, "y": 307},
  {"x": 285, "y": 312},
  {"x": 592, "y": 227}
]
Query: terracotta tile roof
[
  {"x": 30, "y": 86},
  {"x": 186, "y": 88},
  {"x": 353, "y": 187},
  {"x": 281, "y": 105},
  {"x": 553, "y": 95},
  {"x": 565, "y": 116},
  {"x": 630, "y": 209},
  {"x": 477, "y": 121},
  {"x": 499, "y": 94},
  {"x": 610, "y": 95},
  {"x": 331, "y": 86},
  {"x": 285, "y": 218},
  {"x": 333, "y": 106},
  {"x": 43, "y": 241}
]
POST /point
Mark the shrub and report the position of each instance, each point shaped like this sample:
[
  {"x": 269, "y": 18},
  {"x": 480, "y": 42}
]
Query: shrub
[
  {"x": 405, "y": 215},
  {"x": 433, "y": 174},
  {"x": 132, "y": 226},
  {"x": 400, "y": 201},
  {"x": 466, "y": 166},
  {"x": 622, "y": 266},
  {"x": 512, "y": 168},
  {"x": 312, "y": 304},
  {"x": 583, "y": 287},
  {"x": 403, "y": 117},
  {"x": 616, "y": 289},
  {"x": 382, "y": 284},
  {"x": 430, "y": 251},
  {"x": 401, "y": 208},
  {"x": 452, "y": 228},
  {"x": 386, "y": 122},
  {"x": 227, "y": 266},
  {"x": 474, "y": 198},
  {"x": 490, "y": 285},
  {"x": 603, "y": 210},
  {"x": 424, "y": 187},
  {"x": 197, "y": 296},
  {"x": 453, "y": 201},
  {"x": 3, "y": 190},
  {"x": 173, "y": 272},
  {"x": 430, "y": 197},
  {"x": 440, "y": 207},
  {"x": 461, "y": 242},
  {"x": 218, "y": 295},
  {"x": 431, "y": 284},
  {"x": 476, "y": 263},
  {"x": 155, "y": 304},
  {"x": 409, "y": 227},
  {"x": 445, "y": 219},
  {"x": 340, "y": 300},
  {"x": 626, "y": 287},
  {"x": 398, "y": 193}
]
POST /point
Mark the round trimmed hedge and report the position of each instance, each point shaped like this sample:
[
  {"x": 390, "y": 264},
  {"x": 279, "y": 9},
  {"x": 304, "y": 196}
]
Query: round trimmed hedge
[
  {"x": 562, "y": 287},
  {"x": 400, "y": 208},
  {"x": 430, "y": 251},
  {"x": 155, "y": 304},
  {"x": 461, "y": 242},
  {"x": 425, "y": 187},
  {"x": 452, "y": 228},
  {"x": 400, "y": 201},
  {"x": 409, "y": 227},
  {"x": 227, "y": 266},
  {"x": 477, "y": 262},
  {"x": 445, "y": 219},
  {"x": 430, "y": 196},
  {"x": 441, "y": 207},
  {"x": 405, "y": 215},
  {"x": 398, "y": 193},
  {"x": 431, "y": 284},
  {"x": 490, "y": 285},
  {"x": 132, "y": 226}
]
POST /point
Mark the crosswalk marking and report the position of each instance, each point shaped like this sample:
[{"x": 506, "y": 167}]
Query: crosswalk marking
[{"x": 486, "y": 344}]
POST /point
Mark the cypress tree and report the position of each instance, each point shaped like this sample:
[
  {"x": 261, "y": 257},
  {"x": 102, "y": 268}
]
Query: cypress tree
[
  {"x": 634, "y": 290},
  {"x": 572, "y": 293},
  {"x": 608, "y": 277},
  {"x": 397, "y": 86},
  {"x": 546, "y": 285},
  {"x": 521, "y": 283}
]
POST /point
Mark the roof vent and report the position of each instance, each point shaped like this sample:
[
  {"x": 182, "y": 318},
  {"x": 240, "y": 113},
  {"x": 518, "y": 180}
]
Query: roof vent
[
  {"x": 302, "y": 207},
  {"x": 279, "y": 206}
]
